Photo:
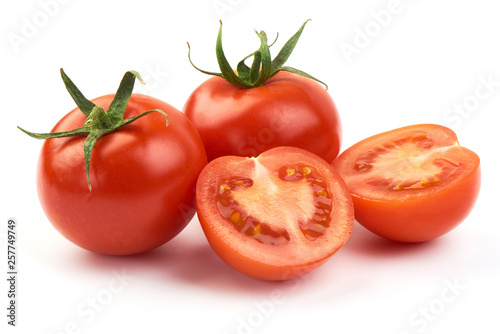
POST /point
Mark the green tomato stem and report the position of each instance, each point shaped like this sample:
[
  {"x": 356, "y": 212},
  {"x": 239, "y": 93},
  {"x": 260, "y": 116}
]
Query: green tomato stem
[{"x": 263, "y": 66}]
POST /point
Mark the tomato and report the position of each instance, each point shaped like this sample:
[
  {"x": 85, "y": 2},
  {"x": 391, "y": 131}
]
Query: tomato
[
  {"x": 247, "y": 111},
  {"x": 288, "y": 110},
  {"x": 143, "y": 179},
  {"x": 411, "y": 184},
  {"x": 276, "y": 216}
]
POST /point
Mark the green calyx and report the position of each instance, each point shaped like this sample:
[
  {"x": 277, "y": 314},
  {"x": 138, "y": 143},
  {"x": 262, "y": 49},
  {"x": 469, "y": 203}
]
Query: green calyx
[
  {"x": 263, "y": 67},
  {"x": 98, "y": 122}
]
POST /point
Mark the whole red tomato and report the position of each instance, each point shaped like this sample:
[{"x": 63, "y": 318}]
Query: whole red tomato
[
  {"x": 143, "y": 177},
  {"x": 265, "y": 106},
  {"x": 289, "y": 110}
]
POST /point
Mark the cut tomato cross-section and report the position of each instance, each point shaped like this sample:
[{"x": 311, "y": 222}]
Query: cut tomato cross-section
[
  {"x": 276, "y": 216},
  {"x": 411, "y": 184}
]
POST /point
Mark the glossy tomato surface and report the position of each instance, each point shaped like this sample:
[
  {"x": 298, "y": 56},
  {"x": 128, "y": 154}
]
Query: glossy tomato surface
[
  {"x": 276, "y": 216},
  {"x": 288, "y": 110},
  {"x": 411, "y": 184},
  {"x": 143, "y": 178}
]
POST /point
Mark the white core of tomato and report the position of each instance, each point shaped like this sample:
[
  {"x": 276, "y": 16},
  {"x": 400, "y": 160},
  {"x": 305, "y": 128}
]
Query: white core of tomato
[
  {"x": 409, "y": 163},
  {"x": 280, "y": 204}
]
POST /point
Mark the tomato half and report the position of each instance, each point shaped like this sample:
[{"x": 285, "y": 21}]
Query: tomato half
[
  {"x": 143, "y": 180},
  {"x": 411, "y": 184},
  {"x": 276, "y": 216},
  {"x": 288, "y": 110}
]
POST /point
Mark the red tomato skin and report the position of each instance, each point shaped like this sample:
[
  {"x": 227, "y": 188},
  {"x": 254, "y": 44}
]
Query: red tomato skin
[
  {"x": 420, "y": 219},
  {"x": 289, "y": 110},
  {"x": 143, "y": 178},
  {"x": 254, "y": 268}
]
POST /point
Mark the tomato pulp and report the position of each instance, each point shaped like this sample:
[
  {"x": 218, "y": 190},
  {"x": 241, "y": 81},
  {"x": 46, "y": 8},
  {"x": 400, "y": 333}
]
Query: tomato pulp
[
  {"x": 276, "y": 216},
  {"x": 288, "y": 110},
  {"x": 143, "y": 179},
  {"x": 411, "y": 184}
]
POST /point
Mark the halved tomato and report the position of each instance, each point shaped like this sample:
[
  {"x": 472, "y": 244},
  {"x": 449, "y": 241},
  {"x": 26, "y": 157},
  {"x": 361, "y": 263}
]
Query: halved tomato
[
  {"x": 276, "y": 216},
  {"x": 411, "y": 184}
]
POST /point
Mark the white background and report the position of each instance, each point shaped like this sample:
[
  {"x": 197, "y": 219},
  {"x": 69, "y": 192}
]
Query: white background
[{"x": 421, "y": 64}]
